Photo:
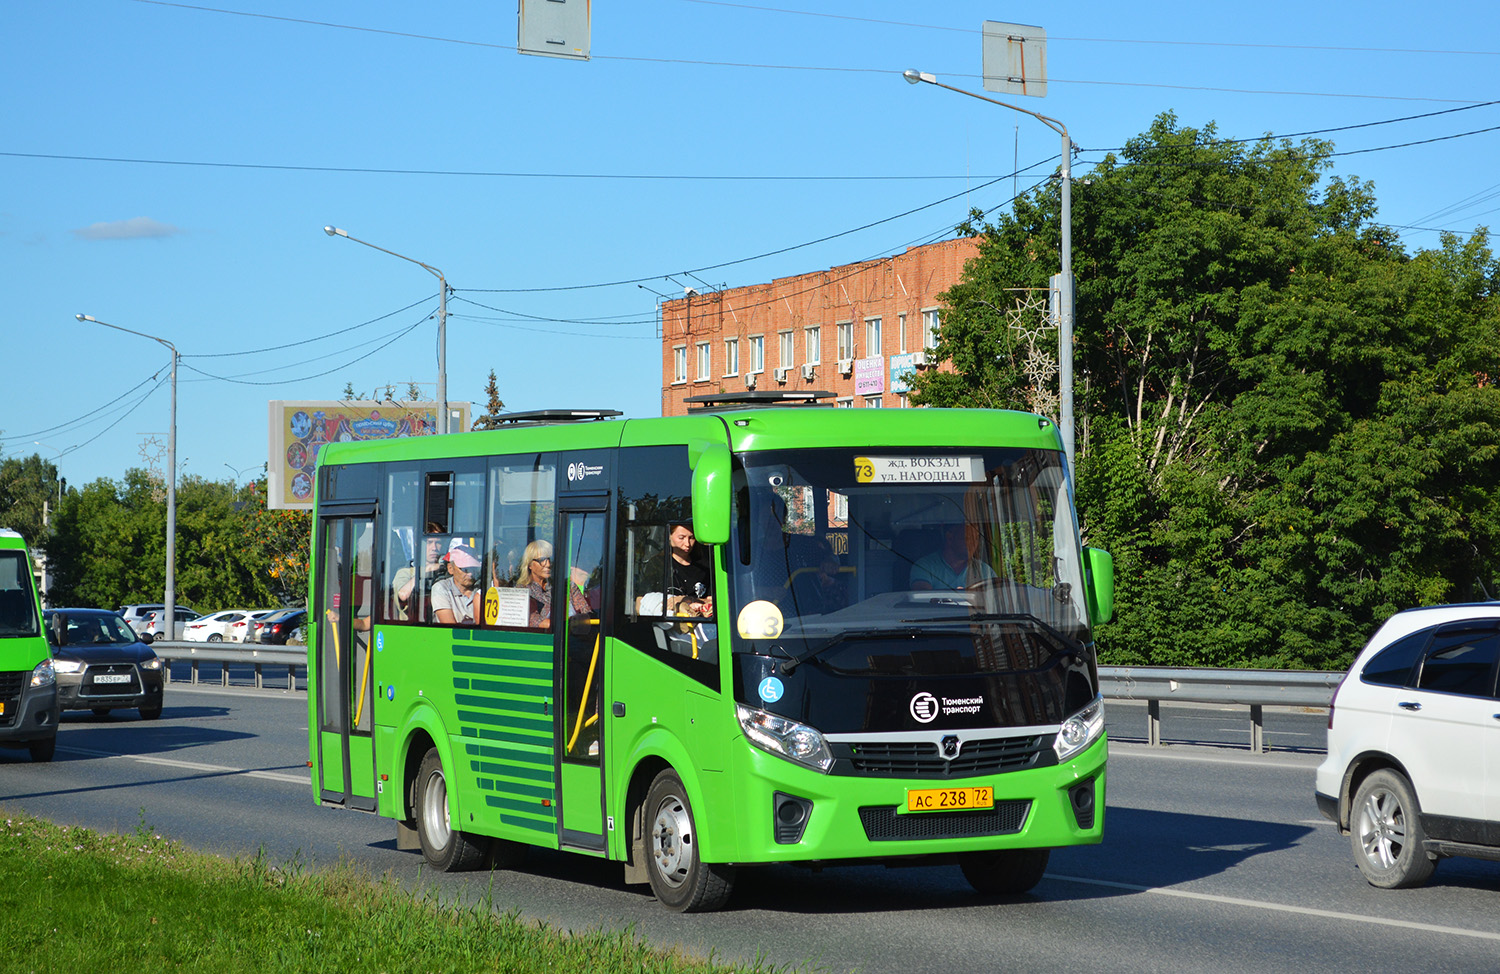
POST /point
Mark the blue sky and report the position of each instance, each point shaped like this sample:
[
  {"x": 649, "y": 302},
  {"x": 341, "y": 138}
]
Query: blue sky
[{"x": 168, "y": 168}]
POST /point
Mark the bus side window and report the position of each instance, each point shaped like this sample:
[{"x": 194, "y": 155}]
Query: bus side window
[
  {"x": 403, "y": 542},
  {"x": 655, "y": 495},
  {"x": 519, "y": 514}
]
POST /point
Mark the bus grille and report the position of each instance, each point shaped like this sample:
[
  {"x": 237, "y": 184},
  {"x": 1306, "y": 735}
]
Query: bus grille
[
  {"x": 920, "y": 759},
  {"x": 10, "y": 694},
  {"x": 882, "y": 824}
]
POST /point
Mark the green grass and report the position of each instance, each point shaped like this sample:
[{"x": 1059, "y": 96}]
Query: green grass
[{"x": 75, "y": 900}]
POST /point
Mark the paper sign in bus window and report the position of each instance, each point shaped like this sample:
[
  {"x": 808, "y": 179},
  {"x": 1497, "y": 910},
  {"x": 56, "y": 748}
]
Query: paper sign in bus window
[{"x": 919, "y": 470}]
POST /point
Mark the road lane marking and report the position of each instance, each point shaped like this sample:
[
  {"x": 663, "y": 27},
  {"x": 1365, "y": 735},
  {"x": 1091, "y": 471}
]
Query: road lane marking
[
  {"x": 1280, "y": 907},
  {"x": 191, "y": 765}
]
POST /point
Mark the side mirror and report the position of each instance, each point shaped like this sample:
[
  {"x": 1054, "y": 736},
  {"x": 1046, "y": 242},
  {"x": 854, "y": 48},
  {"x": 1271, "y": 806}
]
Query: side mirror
[
  {"x": 57, "y": 629},
  {"x": 711, "y": 492},
  {"x": 145, "y": 638},
  {"x": 1099, "y": 567}
]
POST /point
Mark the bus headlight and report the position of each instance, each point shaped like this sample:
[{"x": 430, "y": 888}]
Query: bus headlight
[
  {"x": 785, "y": 738},
  {"x": 43, "y": 675},
  {"x": 1080, "y": 730}
]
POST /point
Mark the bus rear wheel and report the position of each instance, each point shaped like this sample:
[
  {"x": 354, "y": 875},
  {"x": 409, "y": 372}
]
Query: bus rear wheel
[
  {"x": 679, "y": 877},
  {"x": 445, "y": 847},
  {"x": 1005, "y": 872}
]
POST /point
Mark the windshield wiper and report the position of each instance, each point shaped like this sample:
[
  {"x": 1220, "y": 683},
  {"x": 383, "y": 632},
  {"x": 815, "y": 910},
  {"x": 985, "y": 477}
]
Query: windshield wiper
[
  {"x": 1069, "y": 641},
  {"x": 910, "y": 632}
]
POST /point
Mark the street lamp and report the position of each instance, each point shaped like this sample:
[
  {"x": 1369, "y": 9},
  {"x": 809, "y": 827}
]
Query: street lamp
[
  {"x": 1065, "y": 313},
  {"x": 442, "y": 383},
  {"x": 171, "y": 586}
]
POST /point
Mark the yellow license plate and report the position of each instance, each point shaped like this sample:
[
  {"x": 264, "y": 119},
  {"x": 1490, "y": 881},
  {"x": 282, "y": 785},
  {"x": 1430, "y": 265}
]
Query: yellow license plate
[{"x": 949, "y": 799}]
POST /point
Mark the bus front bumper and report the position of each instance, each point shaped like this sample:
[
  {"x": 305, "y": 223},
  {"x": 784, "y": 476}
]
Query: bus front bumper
[
  {"x": 787, "y": 813},
  {"x": 35, "y": 717}
]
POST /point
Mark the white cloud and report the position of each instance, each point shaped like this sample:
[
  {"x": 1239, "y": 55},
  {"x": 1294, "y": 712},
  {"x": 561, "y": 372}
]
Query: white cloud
[{"x": 136, "y": 228}]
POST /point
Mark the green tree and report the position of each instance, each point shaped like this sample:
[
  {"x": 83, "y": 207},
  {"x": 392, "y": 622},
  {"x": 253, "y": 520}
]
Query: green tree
[
  {"x": 494, "y": 406},
  {"x": 108, "y": 546},
  {"x": 28, "y": 487},
  {"x": 1287, "y": 427}
]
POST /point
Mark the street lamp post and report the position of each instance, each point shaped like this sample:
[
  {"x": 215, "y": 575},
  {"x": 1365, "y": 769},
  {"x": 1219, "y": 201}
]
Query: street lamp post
[
  {"x": 442, "y": 382},
  {"x": 171, "y": 587},
  {"x": 1065, "y": 313}
]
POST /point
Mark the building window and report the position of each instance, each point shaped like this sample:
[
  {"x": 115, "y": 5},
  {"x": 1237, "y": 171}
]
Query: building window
[
  {"x": 703, "y": 361},
  {"x": 731, "y": 356},
  {"x": 757, "y": 353},
  {"x": 679, "y": 363},
  {"x": 872, "y": 402},
  {"x": 872, "y": 336},
  {"x": 930, "y": 328},
  {"x": 901, "y": 333},
  {"x": 845, "y": 403},
  {"x": 784, "y": 340},
  {"x": 814, "y": 344},
  {"x": 846, "y": 339}
]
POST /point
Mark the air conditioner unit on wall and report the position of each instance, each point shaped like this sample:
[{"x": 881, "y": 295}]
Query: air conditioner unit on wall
[
  {"x": 846, "y": 366},
  {"x": 750, "y": 381},
  {"x": 919, "y": 359},
  {"x": 781, "y": 375},
  {"x": 808, "y": 371}
]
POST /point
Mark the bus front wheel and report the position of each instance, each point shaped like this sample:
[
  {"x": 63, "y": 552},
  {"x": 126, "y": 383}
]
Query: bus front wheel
[
  {"x": 1005, "y": 872},
  {"x": 679, "y": 877},
  {"x": 445, "y": 847}
]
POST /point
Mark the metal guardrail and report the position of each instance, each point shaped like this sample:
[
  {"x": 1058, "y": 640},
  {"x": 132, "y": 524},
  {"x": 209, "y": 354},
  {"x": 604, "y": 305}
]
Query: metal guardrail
[
  {"x": 226, "y": 654},
  {"x": 1256, "y": 689}
]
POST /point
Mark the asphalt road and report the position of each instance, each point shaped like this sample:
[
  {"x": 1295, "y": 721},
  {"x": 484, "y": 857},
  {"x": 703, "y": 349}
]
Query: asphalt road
[{"x": 1214, "y": 859}]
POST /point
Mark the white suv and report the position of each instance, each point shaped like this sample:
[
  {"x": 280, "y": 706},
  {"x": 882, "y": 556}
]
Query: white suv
[{"x": 1413, "y": 767}]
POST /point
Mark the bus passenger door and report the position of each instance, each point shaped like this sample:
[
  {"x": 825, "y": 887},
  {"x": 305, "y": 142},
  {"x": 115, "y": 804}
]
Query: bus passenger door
[
  {"x": 578, "y": 576},
  {"x": 343, "y": 612}
]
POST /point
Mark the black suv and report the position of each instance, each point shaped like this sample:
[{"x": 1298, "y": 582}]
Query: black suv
[{"x": 101, "y": 664}]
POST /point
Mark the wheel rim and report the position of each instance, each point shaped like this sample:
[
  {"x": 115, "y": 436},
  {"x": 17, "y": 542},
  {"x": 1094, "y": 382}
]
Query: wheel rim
[
  {"x": 435, "y": 811},
  {"x": 672, "y": 840},
  {"x": 1381, "y": 825}
]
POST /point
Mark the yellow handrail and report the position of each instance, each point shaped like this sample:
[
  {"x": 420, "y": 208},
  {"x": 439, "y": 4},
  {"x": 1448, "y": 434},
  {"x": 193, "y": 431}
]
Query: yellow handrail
[
  {"x": 364, "y": 686},
  {"x": 588, "y": 683}
]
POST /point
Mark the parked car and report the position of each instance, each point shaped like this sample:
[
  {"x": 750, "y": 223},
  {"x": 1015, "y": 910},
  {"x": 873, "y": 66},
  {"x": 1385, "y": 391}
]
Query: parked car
[
  {"x": 212, "y": 628},
  {"x": 278, "y": 627},
  {"x": 140, "y": 615},
  {"x": 243, "y": 630},
  {"x": 1413, "y": 767},
  {"x": 156, "y": 623},
  {"x": 101, "y": 664}
]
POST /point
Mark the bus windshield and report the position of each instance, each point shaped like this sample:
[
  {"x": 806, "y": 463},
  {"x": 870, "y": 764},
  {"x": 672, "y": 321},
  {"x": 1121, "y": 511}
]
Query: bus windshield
[
  {"x": 839, "y": 552},
  {"x": 17, "y": 604}
]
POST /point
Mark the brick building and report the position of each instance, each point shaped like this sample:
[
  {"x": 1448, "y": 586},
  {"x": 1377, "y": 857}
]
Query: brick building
[{"x": 857, "y": 331}]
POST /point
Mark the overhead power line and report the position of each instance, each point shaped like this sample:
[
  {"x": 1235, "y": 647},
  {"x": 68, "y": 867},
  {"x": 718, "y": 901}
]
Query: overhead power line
[
  {"x": 487, "y": 173},
  {"x": 394, "y": 337},
  {"x": 846, "y": 70},
  {"x": 1100, "y": 40}
]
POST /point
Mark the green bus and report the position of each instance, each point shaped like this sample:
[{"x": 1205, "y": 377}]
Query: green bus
[
  {"x": 28, "y": 682},
  {"x": 764, "y": 632}
]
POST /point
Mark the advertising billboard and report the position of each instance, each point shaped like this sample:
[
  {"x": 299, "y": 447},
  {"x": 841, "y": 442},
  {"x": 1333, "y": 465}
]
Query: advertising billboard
[{"x": 299, "y": 429}]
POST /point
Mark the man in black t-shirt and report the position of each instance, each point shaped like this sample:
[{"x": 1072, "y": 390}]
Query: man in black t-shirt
[{"x": 689, "y": 580}]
